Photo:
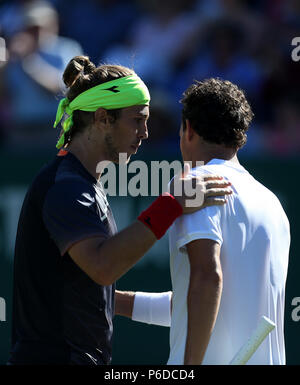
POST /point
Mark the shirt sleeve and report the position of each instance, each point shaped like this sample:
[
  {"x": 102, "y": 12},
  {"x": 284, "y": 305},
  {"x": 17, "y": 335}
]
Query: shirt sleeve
[
  {"x": 202, "y": 224},
  {"x": 71, "y": 214}
]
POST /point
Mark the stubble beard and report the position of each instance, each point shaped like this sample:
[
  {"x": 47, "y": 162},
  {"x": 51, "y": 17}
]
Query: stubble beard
[{"x": 112, "y": 150}]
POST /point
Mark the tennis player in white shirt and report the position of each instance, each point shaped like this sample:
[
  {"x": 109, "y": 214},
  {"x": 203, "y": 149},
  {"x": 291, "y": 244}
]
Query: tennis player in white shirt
[{"x": 228, "y": 263}]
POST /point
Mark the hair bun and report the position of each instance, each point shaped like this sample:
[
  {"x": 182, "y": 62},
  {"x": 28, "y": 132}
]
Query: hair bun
[{"x": 77, "y": 67}]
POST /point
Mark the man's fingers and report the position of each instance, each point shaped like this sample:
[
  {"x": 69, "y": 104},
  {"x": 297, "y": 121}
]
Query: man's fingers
[
  {"x": 211, "y": 177},
  {"x": 218, "y": 184},
  {"x": 209, "y": 201},
  {"x": 218, "y": 192},
  {"x": 213, "y": 201}
]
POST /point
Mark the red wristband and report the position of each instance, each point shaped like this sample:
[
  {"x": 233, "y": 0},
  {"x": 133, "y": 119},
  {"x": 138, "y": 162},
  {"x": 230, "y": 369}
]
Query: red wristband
[{"x": 161, "y": 214}]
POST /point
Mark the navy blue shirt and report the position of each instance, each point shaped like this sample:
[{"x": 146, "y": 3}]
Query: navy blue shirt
[{"x": 60, "y": 315}]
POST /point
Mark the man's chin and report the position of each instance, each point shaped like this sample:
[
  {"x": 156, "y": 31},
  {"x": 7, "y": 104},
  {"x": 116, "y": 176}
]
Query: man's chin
[{"x": 123, "y": 158}]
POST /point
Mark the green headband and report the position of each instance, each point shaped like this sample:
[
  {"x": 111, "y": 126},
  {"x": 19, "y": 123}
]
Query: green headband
[{"x": 120, "y": 93}]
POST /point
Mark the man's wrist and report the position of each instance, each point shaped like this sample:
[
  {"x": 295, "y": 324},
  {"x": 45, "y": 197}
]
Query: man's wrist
[
  {"x": 161, "y": 214},
  {"x": 124, "y": 303},
  {"x": 152, "y": 308}
]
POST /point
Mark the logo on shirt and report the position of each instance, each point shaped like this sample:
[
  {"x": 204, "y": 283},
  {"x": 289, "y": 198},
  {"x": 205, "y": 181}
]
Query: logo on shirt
[
  {"x": 87, "y": 201},
  {"x": 148, "y": 221},
  {"x": 102, "y": 204},
  {"x": 100, "y": 200}
]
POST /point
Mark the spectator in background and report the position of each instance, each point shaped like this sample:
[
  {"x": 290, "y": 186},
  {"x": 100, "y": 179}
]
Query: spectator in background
[
  {"x": 161, "y": 126},
  {"x": 157, "y": 40},
  {"x": 283, "y": 136},
  {"x": 11, "y": 22},
  {"x": 38, "y": 56},
  {"x": 169, "y": 43},
  {"x": 224, "y": 56},
  {"x": 281, "y": 103},
  {"x": 97, "y": 24},
  {"x": 11, "y": 17}
]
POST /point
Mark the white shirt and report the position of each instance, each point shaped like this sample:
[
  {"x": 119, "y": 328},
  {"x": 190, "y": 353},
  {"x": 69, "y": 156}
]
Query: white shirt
[{"x": 253, "y": 231}]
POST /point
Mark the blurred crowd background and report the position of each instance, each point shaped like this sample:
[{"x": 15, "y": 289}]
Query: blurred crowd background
[{"x": 169, "y": 43}]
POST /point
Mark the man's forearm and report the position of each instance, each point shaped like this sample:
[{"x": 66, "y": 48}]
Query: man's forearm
[
  {"x": 124, "y": 301},
  {"x": 120, "y": 252},
  {"x": 43, "y": 73},
  {"x": 105, "y": 260},
  {"x": 203, "y": 305}
]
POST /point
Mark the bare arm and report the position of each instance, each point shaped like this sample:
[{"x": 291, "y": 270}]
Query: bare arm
[
  {"x": 43, "y": 73},
  {"x": 204, "y": 295},
  {"x": 105, "y": 261},
  {"x": 124, "y": 301}
]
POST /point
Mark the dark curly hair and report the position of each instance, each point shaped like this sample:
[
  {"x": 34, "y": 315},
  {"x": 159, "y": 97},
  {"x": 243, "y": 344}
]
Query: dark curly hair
[{"x": 218, "y": 111}]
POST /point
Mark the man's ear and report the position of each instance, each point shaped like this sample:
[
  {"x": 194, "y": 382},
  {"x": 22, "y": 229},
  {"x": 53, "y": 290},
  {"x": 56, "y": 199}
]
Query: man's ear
[
  {"x": 101, "y": 115},
  {"x": 189, "y": 130}
]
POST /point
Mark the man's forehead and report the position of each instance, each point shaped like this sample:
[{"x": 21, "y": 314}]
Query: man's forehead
[{"x": 138, "y": 110}]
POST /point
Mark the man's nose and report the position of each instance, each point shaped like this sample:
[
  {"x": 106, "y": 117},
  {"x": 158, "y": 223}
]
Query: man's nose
[{"x": 143, "y": 132}]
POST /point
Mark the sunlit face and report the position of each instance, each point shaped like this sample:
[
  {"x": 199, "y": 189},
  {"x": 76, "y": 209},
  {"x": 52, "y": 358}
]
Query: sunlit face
[{"x": 127, "y": 132}]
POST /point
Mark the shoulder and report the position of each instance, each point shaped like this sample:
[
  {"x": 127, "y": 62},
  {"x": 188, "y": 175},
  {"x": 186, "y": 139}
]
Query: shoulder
[
  {"x": 72, "y": 176},
  {"x": 267, "y": 194},
  {"x": 70, "y": 189},
  {"x": 43, "y": 181},
  {"x": 202, "y": 170},
  {"x": 275, "y": 202},
  {"x": 68, "y": 184}
]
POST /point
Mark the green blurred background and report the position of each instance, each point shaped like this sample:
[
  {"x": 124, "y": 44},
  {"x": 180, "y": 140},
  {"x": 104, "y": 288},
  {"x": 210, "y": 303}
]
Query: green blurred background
[{"x": 137, "y": 343}]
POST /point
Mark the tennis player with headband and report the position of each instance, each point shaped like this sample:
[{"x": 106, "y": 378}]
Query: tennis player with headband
[{"x": 68, "y": 254}]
